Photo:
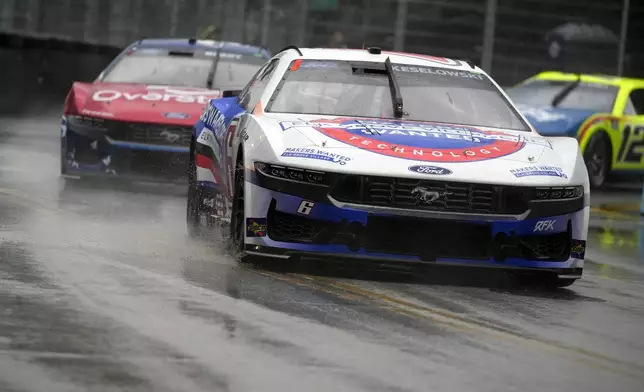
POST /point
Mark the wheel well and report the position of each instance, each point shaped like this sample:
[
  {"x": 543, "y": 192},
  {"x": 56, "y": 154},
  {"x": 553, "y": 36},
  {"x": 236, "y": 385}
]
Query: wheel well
[{"x": 604, "y": 135}]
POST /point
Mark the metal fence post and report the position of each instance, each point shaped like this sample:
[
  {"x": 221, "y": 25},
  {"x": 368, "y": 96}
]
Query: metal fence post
[
  {"x": 642, "y": 201},
  {"x": 304, "y": 14},
  {"x": 401, "y": 25},
  {"x": 33, "y": 16},
  {"x": 7, "y": 14},
  {"x": 488, "y": 36},
  {"x": 174, "y": 17},
  {"x": 622, "y": 38},
  {"x": 266, "y": 21}
]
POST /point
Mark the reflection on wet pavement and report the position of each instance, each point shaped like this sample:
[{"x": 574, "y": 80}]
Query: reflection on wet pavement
[{"x": 101, "y": 289}]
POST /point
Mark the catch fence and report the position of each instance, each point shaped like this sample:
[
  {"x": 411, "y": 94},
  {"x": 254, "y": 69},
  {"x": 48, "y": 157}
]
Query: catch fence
[{"x": 511, "y": 38}]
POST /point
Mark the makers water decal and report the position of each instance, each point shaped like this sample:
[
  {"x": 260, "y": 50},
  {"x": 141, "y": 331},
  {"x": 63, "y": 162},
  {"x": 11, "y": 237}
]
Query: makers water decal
[
  {"x": 578, "y": 249},
  {"x": 429, "y": 142},
  {"x": 256, "y": 227},
  {"x": 314, "y": 153},
  {"x": 435, "y": 170},
  {"x": 541, "y": 170}
]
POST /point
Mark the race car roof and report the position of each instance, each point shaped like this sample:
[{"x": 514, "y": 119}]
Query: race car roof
[
  {"x": 396, "y": 57},
  {"x": 225, "y": 46}
]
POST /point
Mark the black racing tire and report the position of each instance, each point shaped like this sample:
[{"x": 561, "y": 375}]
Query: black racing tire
[
  {"x": 63, "y": 156},
  {"x": 194, "y": 202},
  {"x": 598, "y": 159},
  {"x": 238, "y": 213}
]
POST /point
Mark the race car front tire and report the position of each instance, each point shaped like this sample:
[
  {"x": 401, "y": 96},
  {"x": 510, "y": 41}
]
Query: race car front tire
[
  {"x": 238, "y": 215},
  {"x": 597, "y": 158}
]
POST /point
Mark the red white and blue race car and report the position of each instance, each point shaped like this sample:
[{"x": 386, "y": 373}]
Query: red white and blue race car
[
  {"x": 135, "y": 120},
  {"x": 387, "y": 156}
]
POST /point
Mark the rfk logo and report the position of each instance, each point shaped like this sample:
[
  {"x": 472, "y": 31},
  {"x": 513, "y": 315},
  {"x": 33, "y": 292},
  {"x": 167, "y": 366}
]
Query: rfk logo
[{"x": 545, "y": 226}]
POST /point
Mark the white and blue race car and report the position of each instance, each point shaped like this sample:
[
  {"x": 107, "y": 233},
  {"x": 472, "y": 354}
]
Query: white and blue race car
[{"x": 343, "y": 154}]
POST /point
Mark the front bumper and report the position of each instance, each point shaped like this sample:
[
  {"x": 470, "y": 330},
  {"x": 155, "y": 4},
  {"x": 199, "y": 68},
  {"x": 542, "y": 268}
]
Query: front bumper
[
  {"x": 284, "y": 225},
  {"x": 134, "y": 157}
]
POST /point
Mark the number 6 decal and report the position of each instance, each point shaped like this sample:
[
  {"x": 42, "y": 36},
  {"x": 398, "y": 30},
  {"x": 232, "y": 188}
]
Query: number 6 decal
[{"x": 305, "y": 207}]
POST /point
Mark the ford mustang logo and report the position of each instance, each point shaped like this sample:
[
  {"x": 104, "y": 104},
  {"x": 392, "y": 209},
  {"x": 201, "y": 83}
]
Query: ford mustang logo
[
  {"x": 170, "y": 137},
  {"x": 427, "y": 196},
  {"x": 439, "y": 171}
]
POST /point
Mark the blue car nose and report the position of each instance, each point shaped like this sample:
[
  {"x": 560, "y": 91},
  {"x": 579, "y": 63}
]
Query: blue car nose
[{"x": 555, "y": 121}]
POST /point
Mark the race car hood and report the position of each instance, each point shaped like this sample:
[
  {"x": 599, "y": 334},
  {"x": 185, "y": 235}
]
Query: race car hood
[
  {"x": 555, "y": 121},
  {"x": 435, "y": 142},
  {"x": 414, "y": 149},
  {"x": 140, "y": 103}
]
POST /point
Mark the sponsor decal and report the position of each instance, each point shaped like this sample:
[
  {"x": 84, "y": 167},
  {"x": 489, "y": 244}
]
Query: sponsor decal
[
  {"x": 434, "y": 170},
  {"x": 224, "y": 55},
  {"x": 437, "y": 71},
  {"x": 305, "y": 207},
  {"x": 319, "y": 64},
  {"x": 255, "y": 227},
  {"x": 314, "y": 153},
  {"x": 427, "y": 196},
  {"x": 428, "y": 142},
  {"x": 540, "y": 170},
  {"x": 96, "y": 113},
  {"x": 214, "y": 119},
  {"x": 547, "y": 225},
  {"x": 431, "y": 59},
  {"x": 174, "y": 115},
  {"x": 159, "y": 94},
  {"x": 578, "y": 249},
  {"x": 630, "y": 150}
]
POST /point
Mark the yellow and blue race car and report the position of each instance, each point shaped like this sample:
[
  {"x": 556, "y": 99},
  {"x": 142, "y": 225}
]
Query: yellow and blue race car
[{"x": 604, "y": 113}]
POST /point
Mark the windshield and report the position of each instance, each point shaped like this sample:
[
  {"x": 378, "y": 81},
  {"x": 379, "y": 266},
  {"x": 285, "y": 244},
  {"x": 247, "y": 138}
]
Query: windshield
[
  {"x": 341, "y": 88},
  {"x": 190, "y": 69},
  {"x": 588, "y": 96}
]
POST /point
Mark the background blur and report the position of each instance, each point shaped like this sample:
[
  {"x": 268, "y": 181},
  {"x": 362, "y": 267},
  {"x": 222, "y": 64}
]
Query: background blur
[{"x": 512, "y": 39}]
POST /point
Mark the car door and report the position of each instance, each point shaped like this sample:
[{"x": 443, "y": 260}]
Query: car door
[{"x": 630, "y": 155}]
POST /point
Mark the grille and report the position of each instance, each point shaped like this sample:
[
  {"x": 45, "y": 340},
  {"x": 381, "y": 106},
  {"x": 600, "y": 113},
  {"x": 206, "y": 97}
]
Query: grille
[
  {"x": 428, "y": 239},
  {"x": 158, "y": 134},
  {"x": 407, "y": 193}
]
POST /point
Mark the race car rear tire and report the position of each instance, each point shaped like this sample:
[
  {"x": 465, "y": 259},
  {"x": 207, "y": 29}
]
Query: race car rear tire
[
  {"x": 194, "y": 203},
  {"x": 597, "y": 157}
]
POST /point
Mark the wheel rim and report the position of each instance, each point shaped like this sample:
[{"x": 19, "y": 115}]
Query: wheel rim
[{"x": 596, "y": 163}]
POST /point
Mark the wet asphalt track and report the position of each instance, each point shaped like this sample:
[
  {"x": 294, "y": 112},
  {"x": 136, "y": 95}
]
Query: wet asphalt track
[{"x": 101, "y": 290}]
